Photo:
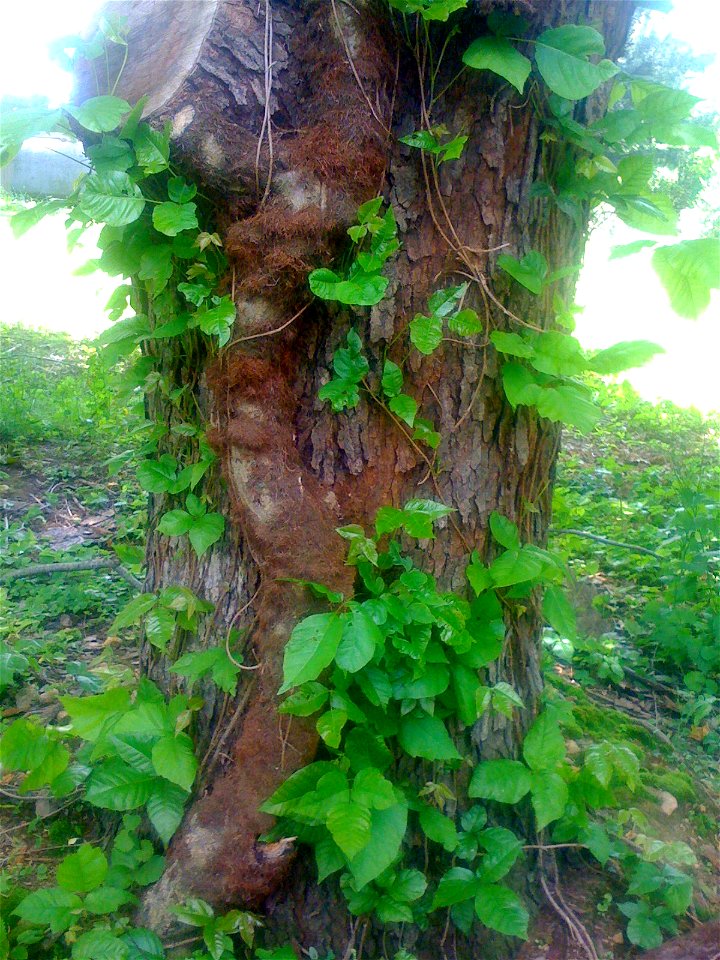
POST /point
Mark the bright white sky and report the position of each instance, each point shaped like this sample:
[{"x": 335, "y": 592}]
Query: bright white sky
[{"x": 622, "y": 298}]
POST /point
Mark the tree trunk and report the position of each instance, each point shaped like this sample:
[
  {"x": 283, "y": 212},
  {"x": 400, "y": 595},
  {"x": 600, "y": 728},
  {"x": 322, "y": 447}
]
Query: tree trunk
[{"x": 289, "y": 114}]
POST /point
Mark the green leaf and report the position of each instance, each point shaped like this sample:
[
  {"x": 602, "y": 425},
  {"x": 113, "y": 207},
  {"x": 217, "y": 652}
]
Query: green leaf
[
  {"x": 152, "y": 149},
  {"x": 349, "y": 825},
  {"x": 392, "y": 379},
  {"x": 623, "y": 356},
  {"x": 213, "y": 661},
  {"x": 82, "y": 871},
  {"x": 531, "y": 271},
  {"x": 507, "y": 781},
  {"x": 305, "y": 701},
  {"x": 504, "y": 531},
  {"x": 106, "y": 900},
  {"x": 359, "y": 639},
  {"x": 157, "y": 476},
  {"x": 627, "y": 249},
  {"x": 688, "y": 271},
  {"x": 404, "y": 407},
  {"x": 364, "y": 289},
  {"x": 559, "y": 613},
  {"x": 465, "y": 323},
  {"x": 54, "y": 763},
  {"x": 172, "y": 218},
  {"x": 561, "y": 55},
  {"x": 194, "y": 912},
  {"x": 99, "y": 945},
  {"x": 180, "y": 191},
  {"x": 53, "y": 907},
  {"x": 425, "y": 736},
  {"x": 143, "y": 944},
  {"x": 438, "y": 828},
  {"x": 500, "y": 56},
  {"x": 549, "y": 797},
  {"x": 515, "y": 566},
  {"x": 113, "y": 785},
  {"x": 643, "y": 931},
  {"x": 92, "y": 716},
  {"x": 174, "y": 758},
  {"x": 426, "y": 333},
  {"x": 205, "y": 531},
  {"x": 22, "y": 221},
  {"x": 175, "y": 523},
  {"x": 111, "y": 198},
  {"x": 456, "y": 885},
  {"x": 371, "y": 789},
  {"x": 218, "y": 321},
  {"x": 330, "y": 726},
  {"x": 500, "y": 909},
  {"x": 24, "y": 745},
  {"x": 165, "y": 807},
  {"x": 502, "y": 850},
  {"x": 312, "y": 647},
  {"x": 544, "y": 747},
  {"x": 387, "y": 830},
  {"x": 100, "y": 114},
  {"x": 160, "y": 627}
]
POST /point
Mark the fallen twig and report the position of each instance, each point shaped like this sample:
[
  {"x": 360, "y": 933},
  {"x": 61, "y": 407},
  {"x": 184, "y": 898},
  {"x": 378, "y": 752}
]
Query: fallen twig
[
  {"x": 100, "y": 563},
  {"x": 610, "y": 543}
]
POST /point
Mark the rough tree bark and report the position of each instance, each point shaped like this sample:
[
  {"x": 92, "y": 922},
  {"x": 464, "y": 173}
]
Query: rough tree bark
[{"x": 288, "y": 114}]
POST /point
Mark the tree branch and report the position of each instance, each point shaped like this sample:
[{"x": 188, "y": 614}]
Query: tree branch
[
  {"x": 70, "y": 567},
  {"x": 610, "y": 543}
]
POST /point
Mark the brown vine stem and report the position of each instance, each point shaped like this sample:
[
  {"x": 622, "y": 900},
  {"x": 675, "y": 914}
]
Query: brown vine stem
[
  {"x": 232, "y": 623},
  {"x": 351, "y": 62},
  {"x": 270, "y": 333},
  {"x": 267, "y": 120}
]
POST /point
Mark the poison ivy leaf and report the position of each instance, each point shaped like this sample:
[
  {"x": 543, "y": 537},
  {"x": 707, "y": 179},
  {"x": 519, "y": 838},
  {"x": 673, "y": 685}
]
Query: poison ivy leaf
[
  {"x": 92, "y": 716},
  {"x": 152, "y": 149},
  {"x": 515, "y": 566},
  {"x": 429, "y": 9},
  {"x": 100, "y": 114},
  {"x": 106, "y": 900},
  {"x": 175, "y": 523},
  {"x": 507, "y": 781},
  {"x": 501, "y": 910},
  {"x": 392, "y": 379},
  {"x": 312, "y": 647},
  {"x": 174, "y": 758},
  {"x": 82, "y": 871},
  {"x": 22, "y": 221},
  {"x": 172, "y": 218},
  {"x": 500, "y": 56},
  {"x": 99, "y": 945},
  {"x": 349, "y": 825},
  {"x": 53, "y": 907},
  {"x": 549, "y": 797},
  {"x": 623, "y": 356},
  {"x": 404, "y": 407},
  {"x": 364, "y": 289},
  {"x": 157, "y": 476},
  {"x": 688, "y": 271},
  {"x": 465, "y": 323},
  {"x": 24, "y": 745},
  {"x": 22, "y": 123},
  {"x": 143, "y": 944},
  {"x": 558, "y": 354},
  {"x": 426, "y": 333},
  {"x": 55, "y": 762},
  {"x": 562, "y": 55},
  {"x": 205, "y": 531},
  {"x": 456, "y": 885},
  {"x": 111, "y": 198},
  {"x": 214, "y": 662},
  {"x": 544, "y": 747},
  {"x": 165, "y": 807},
  {"x": 531, "y": 271},
  {"x": 627, "y": 249},
  {"x": 359, "y": 640},
  {"x": 387, "y": 830},
  {"x": 502, "y": 848},
  {"x": 113, "y": 785},
  {"x": 559, "y": 613},
  {"x": 439, "y": 828},
  {"x": 504, "y": 531},
  {"x": 180, "y": 191},
  {"x": 218, "y": 320},
  {"x": 424, "y": 736}
]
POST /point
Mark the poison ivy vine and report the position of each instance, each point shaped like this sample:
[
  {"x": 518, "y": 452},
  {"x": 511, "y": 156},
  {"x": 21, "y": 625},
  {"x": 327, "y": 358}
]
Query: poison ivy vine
[{"x": 393, "y": 672}]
